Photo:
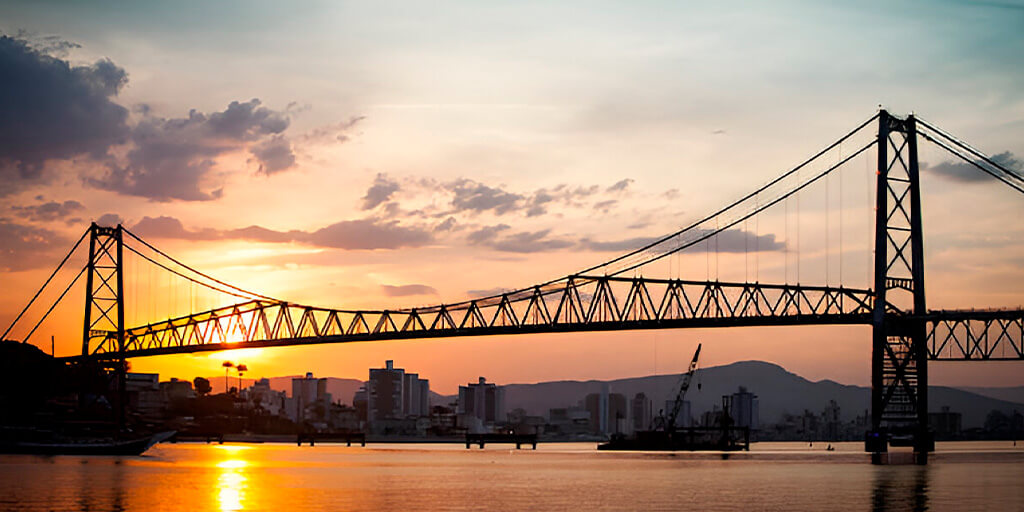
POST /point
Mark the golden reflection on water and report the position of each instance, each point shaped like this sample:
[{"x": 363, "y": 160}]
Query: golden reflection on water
[{"x": 232, "y": 482}]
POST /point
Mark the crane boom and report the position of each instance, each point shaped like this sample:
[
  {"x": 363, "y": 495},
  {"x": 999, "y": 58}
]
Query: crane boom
[{"x": 670, "y": 421}]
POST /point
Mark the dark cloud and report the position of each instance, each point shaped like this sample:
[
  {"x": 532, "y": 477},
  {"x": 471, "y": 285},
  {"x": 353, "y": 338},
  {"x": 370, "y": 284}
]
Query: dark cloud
[
  {"x": 245, "y": 121},
  {"x": 407, "y": 290},
  {"x": 967, "y": 173},
  {"x": 262, "y": 234},
  {"x": 170, "y": 227},
  {"x": 605, "y": 206},
  {"x": 369, "y": 234},
  {"x": 616, "y": 245},
  {"x": 29, "y": 247},
  {"x": 522, "y": 242},
  {"x": 476, "y": 197},
  {"x": 473, "y": 197},
  {"x": 730, "y": 241},
  {"x": 349, "y": 234},
  {"x": 536, "y": 241},
  {"x": 381, "y": 190},
  {"x": 620, "y": 186},
  {"x": 489, "y": 292},
  {"x": 49, "y": 45},
  {"x": 539, "y": 201},
  {"x": 337, "y": 132},
  {"x": 449, "y": 224},
  {"x": 173, "y": 158},
  {"x": 486, "y": 234},
  {"x": 109, "y": 219},
  {"x": 49, "y": 211},
  {"x": 52, "y": 110},
  {"x": 738, "y": 240},
  {"x": 274, "y": 155}
]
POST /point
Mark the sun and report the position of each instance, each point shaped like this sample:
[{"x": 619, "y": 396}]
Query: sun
[{"x": 239, "y": 355}]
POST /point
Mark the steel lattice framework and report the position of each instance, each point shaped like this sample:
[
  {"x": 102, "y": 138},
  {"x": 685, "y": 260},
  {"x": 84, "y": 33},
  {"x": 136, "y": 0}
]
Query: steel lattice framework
[
  {"x": 975, "y": 335},
  {"x": 905, "y": 334},
  {"x": 582, "y": 303},
  {"x": 899, "y": 356}
]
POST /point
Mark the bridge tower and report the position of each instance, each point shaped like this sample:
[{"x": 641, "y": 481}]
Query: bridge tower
[
  {"x": 899, "y": 357},
  {"x": 104, "y": 301}
]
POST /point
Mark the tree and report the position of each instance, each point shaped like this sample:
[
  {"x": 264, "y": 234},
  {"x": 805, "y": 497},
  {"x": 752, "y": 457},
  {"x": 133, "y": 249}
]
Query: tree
[{"x": 202, "y": 386}]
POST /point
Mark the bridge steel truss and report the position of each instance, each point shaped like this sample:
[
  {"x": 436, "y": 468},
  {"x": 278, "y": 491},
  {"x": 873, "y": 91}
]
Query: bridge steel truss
[
  {"x": 905, "y": 335},
  {"x": 579, "y": 303},
  {"x": 975, "y": 335}
]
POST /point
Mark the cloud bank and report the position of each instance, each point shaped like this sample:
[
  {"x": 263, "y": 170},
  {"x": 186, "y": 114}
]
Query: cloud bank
[{"x": 56, "y": 111}]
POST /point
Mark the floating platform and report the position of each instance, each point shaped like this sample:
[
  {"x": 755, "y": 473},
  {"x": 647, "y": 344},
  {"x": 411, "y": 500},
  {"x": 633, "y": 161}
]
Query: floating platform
[
  {"x": 516, "y": 439},
  {"x": 683, "y": 439}
]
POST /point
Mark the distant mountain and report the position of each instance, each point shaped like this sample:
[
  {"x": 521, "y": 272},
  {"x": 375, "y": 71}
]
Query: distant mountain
[
  {"x": 778, "y": 390},
  {"x": 1010, "y": 394}
]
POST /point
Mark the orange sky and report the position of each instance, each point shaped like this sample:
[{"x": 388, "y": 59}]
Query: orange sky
[{"x": 397, "y": 157}]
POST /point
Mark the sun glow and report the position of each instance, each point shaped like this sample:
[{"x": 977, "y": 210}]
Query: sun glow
[
  {"x": 232, "y": 483},
  {"x": 238, "y": 354}
]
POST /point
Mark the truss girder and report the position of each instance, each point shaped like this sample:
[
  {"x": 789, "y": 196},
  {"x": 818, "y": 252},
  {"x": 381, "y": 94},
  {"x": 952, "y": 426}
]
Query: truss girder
[
  {"x": 996, "y": 335},
  {"x": 580, "y": 303}
]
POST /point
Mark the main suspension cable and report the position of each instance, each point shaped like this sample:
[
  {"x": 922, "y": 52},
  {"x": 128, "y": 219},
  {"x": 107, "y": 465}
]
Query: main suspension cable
[
  {"x": 179, "y": 274},
  {"x": 965, "y": 158},
  {"x": 218, "y": 281},
  {"x": 971, "y": 149},
  {"x": 48, "y": 311},
  {"x": 767, "y": 205}
]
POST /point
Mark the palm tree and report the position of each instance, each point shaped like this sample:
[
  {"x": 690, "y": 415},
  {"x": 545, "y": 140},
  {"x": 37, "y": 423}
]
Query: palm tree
[
  {"x": 226, "y": 365},
  {"x": 241, "y": 368}
]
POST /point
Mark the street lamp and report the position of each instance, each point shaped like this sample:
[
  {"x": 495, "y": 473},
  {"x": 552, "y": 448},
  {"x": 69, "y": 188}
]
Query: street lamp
[{"x": 227, "y": 365}]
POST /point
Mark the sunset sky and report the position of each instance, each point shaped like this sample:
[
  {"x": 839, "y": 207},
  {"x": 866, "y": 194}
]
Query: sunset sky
[{"x": 377, "y": 154}]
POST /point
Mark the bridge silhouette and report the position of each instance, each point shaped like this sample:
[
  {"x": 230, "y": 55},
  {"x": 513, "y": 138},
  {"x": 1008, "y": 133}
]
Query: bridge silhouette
[{"x": 616, "y": 295}]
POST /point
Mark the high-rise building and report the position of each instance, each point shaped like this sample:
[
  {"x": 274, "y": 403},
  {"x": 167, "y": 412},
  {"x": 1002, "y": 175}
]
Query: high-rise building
[
  {"x": 415, "y": 395},
  {"x": 384, "y": 392},
  {"x": 641, "y": 412},
  {"x": 305, "y": 392},
  {"x": 483, "y": 401},
  {"x": 608, "y": 411},
  {"x": 744, "y": 409},
  {"x": 393, "y": 394},
  {"x": 261, "y": 396},
  {"x": 360, "y": 403}
]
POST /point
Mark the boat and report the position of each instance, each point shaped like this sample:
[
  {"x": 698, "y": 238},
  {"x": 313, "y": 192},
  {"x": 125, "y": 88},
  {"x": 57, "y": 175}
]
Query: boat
[{"x": 135, "y": 445}]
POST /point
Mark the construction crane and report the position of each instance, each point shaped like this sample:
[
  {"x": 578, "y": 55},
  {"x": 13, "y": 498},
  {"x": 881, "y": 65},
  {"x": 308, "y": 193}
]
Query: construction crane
[{"x": 669, "y": 422}]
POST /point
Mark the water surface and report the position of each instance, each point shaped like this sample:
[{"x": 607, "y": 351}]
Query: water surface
[{"x": 569, "y": 476}]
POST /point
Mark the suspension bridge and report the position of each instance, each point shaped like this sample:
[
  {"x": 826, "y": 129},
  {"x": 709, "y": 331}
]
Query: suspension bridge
[{"x": 621, "y": 293}]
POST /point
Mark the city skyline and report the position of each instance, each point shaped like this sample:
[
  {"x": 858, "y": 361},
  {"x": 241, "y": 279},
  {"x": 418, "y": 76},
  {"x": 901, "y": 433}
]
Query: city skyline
[{"x": 510, "y": 172}]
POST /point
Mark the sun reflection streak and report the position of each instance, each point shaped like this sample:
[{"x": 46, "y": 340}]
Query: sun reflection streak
[{"x": 232, "y": 482}]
